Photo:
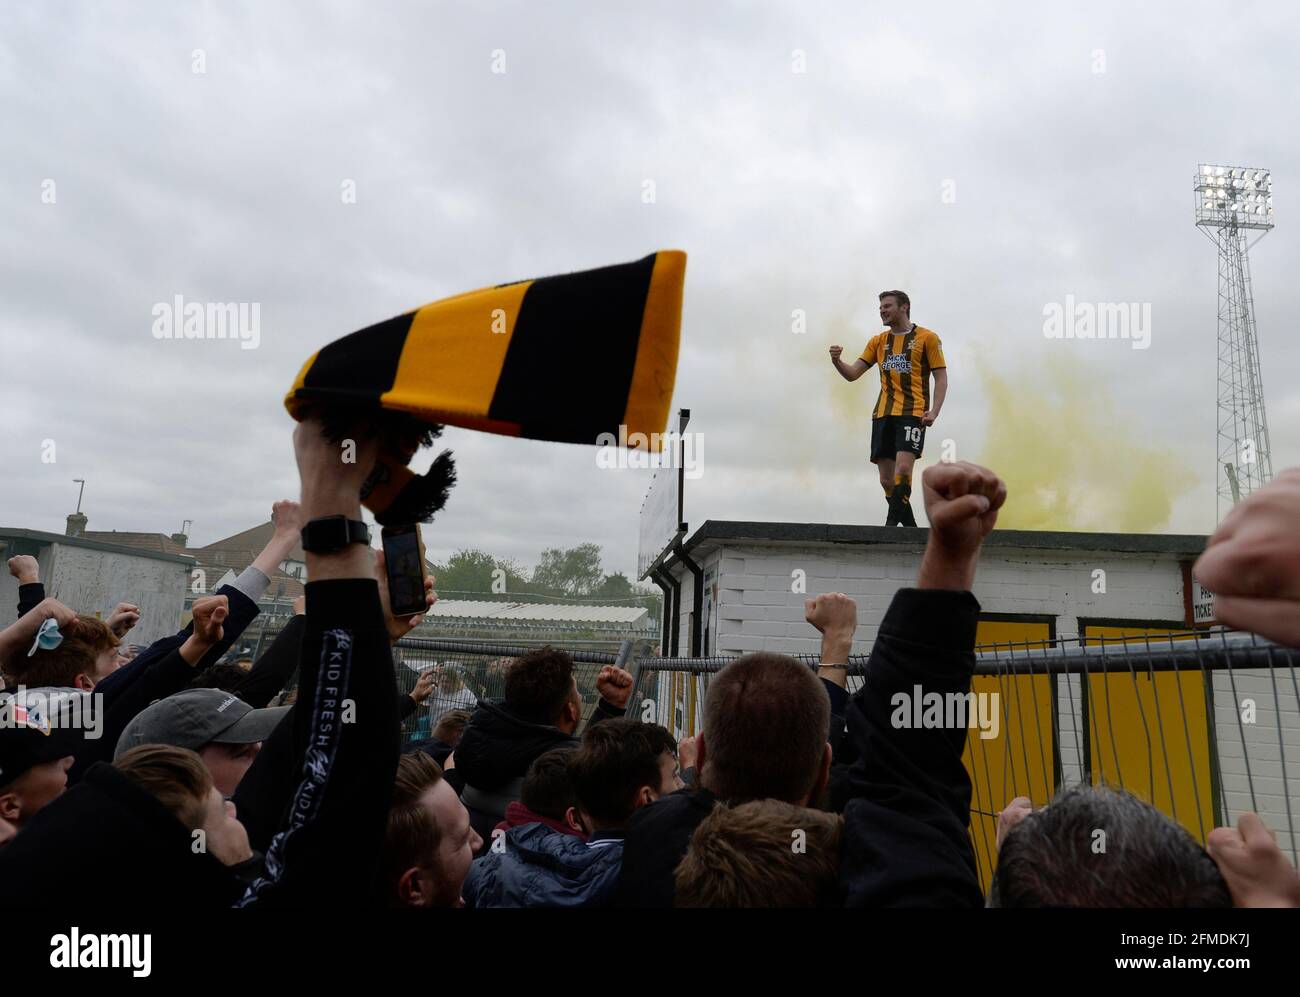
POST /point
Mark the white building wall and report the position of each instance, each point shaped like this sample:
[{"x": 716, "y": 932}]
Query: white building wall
[
  {"x": 758, "y": 609},
  {"x": 94, "y": 581},
  {"x": 1255, "y": 753}
]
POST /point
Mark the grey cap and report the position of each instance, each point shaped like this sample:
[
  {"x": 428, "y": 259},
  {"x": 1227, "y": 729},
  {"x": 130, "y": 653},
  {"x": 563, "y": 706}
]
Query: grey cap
[{"x": 193, "y": 718}]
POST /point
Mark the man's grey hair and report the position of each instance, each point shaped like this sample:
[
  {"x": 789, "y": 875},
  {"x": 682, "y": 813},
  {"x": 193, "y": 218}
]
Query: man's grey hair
[{"x": 1099, "y": 847}]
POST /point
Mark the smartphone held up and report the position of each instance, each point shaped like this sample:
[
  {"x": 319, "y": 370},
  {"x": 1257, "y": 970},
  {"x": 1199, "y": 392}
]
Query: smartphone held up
[{"x": 404, "y": 563}]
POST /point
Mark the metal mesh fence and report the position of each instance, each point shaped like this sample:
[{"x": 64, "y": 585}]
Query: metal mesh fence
[
  {"x": 469, "y": 671},
  {"x": 1202, "y": 725}
]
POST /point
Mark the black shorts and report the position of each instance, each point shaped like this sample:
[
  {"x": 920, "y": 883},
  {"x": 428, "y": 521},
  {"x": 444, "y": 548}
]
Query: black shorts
[{"x": 896, "y": 434}]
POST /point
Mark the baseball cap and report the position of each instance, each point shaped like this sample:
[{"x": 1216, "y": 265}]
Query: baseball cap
[
  {"x": 26, "y": 739},
  {"x": 195, "y": 717}
]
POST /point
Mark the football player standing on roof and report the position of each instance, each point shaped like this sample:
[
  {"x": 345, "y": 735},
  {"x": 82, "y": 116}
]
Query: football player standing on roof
[{"x": 908, "y": 354}]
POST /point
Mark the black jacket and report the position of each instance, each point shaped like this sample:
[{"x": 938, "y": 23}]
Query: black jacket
[
  {"x": 495, "y": 753},
  {"x": 275, "y": 667},
  {"x": 434, "y": 748},
  {"x": 109, "y": 842},
  {"x": 497, "y": 746},
  {"x": 657, "y": 839},
  {"x": 265, "y": 792},
  {"x": 344, "y": 770},
  {"x": 906, "y": 840},
  {"x": 157, "y": 671}
]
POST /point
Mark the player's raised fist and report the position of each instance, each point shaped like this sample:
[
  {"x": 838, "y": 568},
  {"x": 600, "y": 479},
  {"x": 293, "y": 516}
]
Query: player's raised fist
[
  {"x": 962, "y": 502},
  {"x": 836, "y": 351}
]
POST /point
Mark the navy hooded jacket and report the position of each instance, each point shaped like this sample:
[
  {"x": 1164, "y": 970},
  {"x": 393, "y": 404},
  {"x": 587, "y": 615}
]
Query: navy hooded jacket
[{"x": 540, "y": 867}]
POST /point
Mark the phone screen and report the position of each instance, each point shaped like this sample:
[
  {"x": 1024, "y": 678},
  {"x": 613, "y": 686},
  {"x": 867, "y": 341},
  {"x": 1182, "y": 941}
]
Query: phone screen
[{"x": 405, "y": 572}]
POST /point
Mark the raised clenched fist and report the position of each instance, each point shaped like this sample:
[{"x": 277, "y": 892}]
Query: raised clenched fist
[
  {"x": 24, "y": 568},
  {"x": 962, "y": 502},
  {"x": 614, "y": 686},
  {"x": 125, "y": 615},
  {"x": 209, "y": 614},
  {"x": 286, "y": 515},
  {"x": 833, "y": 613}
]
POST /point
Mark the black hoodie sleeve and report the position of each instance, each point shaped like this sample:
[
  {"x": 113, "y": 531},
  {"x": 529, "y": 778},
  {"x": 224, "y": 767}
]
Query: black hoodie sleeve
[
  {"x": 346, "y": 749},
  {"x": 169, "y": 674},
  {"x": 405, "y": 706},
  {"x": 30, "y": 596},
  {"x": 243, "y": 611},
  {"x": 263, "y": 795},
  {"x": 604, "y": 710},
  {"x": 906, "y": 839},
  {"x": 839, "y": 697},
  {"x": 272, "y": 671}
]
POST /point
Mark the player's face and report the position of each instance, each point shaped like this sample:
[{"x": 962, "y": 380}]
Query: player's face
[{"x": 890, "y": 312}]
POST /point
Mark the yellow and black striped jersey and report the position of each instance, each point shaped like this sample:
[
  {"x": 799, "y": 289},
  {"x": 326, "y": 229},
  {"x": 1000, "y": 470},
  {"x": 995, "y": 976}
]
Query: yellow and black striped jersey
[{"x": 905, "y": 365}]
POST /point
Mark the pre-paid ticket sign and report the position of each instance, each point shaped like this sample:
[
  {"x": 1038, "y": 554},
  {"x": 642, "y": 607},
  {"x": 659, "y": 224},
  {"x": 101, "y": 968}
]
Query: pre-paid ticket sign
[{"x": 1202, "y": 604}]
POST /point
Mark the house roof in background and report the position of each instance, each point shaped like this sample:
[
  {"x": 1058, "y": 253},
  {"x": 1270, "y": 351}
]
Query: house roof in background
[{"x": 159, "y": 542}]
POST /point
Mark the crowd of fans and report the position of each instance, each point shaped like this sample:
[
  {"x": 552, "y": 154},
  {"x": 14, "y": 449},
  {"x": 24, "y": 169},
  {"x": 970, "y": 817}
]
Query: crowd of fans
[{"x": 167, "y": 778}]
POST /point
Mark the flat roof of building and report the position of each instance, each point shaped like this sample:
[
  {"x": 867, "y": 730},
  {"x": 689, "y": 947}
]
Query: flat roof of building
[
  {"x": 41, "y": 537},
  {"x": 506, "y": 611},
  {"x": 721, "y": 533}
]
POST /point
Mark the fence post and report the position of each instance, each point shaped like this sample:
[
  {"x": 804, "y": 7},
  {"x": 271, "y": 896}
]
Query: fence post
[{"x": 626, "y": 658}]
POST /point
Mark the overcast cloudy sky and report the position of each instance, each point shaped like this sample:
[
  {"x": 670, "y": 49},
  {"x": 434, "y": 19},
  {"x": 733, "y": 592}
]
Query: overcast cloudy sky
[{"x": 991, "y": 159}]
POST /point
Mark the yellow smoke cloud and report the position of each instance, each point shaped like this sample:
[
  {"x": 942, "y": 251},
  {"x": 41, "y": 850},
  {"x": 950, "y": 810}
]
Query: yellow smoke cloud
[{"x": 1069, "y": 461}]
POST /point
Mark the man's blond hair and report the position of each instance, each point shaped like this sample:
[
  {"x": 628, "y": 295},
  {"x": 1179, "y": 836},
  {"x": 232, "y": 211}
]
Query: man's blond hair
[{"x": 764, "y": 853}]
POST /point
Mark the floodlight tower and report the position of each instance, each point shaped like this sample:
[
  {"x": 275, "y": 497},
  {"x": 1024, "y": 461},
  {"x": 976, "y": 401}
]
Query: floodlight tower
[{"x": 1231, "y": 203}]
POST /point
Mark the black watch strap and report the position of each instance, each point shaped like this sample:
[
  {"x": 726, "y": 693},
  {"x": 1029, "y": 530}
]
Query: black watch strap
[{"x": 330, "y": 534}]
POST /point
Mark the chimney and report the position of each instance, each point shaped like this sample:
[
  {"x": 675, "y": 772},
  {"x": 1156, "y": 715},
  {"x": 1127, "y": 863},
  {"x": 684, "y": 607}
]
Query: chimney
[
  {"x": 76, "y": 524},
  {"x": 180, "y": 538}
]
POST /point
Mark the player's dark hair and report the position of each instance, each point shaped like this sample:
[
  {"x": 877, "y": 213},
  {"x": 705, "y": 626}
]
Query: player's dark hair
[{"x": 899, "y": 296}]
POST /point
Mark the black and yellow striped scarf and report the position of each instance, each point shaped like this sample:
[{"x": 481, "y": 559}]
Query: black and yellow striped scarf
[{"x": 564, "y": 358}]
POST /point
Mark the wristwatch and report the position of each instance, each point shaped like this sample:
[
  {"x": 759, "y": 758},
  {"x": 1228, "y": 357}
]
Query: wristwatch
[{"x": 330, "y": 534}]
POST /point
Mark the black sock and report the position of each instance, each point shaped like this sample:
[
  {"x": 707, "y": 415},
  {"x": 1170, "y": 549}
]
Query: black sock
[{"x": 903, "y": 496}]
